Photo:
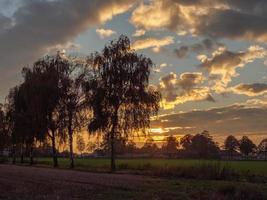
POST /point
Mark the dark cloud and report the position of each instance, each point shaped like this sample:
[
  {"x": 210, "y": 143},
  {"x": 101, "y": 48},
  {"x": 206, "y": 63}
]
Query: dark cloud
[
  {"x": 254, "y": 89},
  {"x": 204, "y": 45},
  {"x": 234, "y": 19},
  {"x": 182, "y": 51},
  {"x": 42, "y": 24},
  {"x": 235, "y": 120},
  {"x": 5, "y": 23}
]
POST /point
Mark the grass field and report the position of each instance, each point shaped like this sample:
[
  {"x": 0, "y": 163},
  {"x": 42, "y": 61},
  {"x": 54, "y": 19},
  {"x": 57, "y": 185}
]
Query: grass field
[{"x": 253, "y": 167}]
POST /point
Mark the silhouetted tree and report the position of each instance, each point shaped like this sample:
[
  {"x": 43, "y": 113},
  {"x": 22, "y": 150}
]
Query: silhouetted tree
[
  {"x": 45, "y": 90},
  {"x": 203, "y": 146},
  {"x": 22, "y": 134},
  {"x": 120, "y": 96},
  {"x": 170, "y": 146},
  {"x": 186, "y": 141},
  {"x": 4, "y": 132},
  {"x": 231, "y": 144},
  {"x": 150, "y": 147},
  {"x": 10, "y": 120},
  {"x": 72, "y": 100},
  {"x": 246, "y": 146},
  {"x": 263, "y": 147}
]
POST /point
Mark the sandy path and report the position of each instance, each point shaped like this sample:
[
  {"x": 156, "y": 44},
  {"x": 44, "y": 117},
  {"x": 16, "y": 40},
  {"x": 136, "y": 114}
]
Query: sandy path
[{"x": 17, "y": 182}]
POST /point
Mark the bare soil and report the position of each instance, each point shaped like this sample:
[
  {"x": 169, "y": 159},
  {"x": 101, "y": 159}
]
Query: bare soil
[{"x": 22, "y": 182}]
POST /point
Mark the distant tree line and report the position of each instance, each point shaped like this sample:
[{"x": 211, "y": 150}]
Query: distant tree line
[
  {"x": 107, "y": 93},
  {"x": 197, "y": 146}
]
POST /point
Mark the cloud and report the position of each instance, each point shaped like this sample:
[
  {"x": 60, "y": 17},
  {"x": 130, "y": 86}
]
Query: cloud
[
  {"x": 238, "y": 119},
  {"x": 104, "y": 33},
  {"x": 223, "y": 64},
  {"x": 204, "y": 45},
  {"x": 154, "y": 43},
  {"x": 5, "y": 23},
  {"x": 40, "y": 25},
  {"x": 187, "y": 87},
  {"x": 139, "y": 32},
  {"x": 255, "y": 89},
  {"x": 239, "y": 19},
  {"x": 160, "y": 67}
]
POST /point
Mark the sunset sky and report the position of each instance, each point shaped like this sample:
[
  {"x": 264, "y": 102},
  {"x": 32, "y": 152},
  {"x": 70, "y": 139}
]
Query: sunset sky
[{"x": 210, "y": 55}]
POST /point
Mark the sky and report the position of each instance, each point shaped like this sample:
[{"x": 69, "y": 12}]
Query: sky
[{"x": 210, "y": 56}]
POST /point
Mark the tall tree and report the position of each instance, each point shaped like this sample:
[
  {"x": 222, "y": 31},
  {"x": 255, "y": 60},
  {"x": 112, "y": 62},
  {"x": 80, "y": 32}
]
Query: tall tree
[
  {"x": 4, "y": 133},
  {"x": 120, "y": 96},
  {"x": 10, "y": 120},
  {"x": 170, "y": 146},
  {"x": 263, "y": 147},
  {"x": 73, "y": 100},
  {"x": 44, "y": 91},
  {"x": 246, "y": 146},
  {"x": 231, "y": 144}
]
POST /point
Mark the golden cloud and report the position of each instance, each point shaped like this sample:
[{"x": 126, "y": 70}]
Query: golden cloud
[
  {"x": 187, "y": 87},
  {"x": 103, "y": 33},
  {"x": 154, "y": 43},
  {"x": 222, "y": 65}
]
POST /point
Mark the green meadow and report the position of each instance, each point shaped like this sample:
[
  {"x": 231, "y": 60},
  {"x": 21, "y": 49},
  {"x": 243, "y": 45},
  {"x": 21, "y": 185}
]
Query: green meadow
[{"x": 99, "y": 164}]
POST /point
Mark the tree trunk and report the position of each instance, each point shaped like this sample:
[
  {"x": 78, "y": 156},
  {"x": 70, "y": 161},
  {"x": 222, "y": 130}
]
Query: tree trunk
[
  {"x": 70, "y": 132},
  {"x": 14, "y": 153},
  {"x": 113, "y": 138},
  {"x": 112, "y": 152},
  {"x": 31, "y": 155},
  {"x": 53, "y": 138},
  {"x": 71, "y": 149},
  {"x": 21, "y": 154}
]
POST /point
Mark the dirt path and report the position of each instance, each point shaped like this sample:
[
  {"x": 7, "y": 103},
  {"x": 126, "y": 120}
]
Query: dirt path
[{"x": 18, "y": 182}]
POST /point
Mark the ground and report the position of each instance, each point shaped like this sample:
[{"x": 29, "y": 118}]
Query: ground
[{"x": 28, "y": 183}]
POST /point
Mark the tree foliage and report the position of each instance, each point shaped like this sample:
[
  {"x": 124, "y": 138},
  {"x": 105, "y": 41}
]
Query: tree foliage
[
  {"x": 170, "y": 146},
  {"x": 119, "y": 95},
  {"x": 231, "y": 144},
  {"x": 246, "y": 146}
]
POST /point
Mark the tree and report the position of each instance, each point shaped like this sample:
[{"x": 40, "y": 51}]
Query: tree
[
  {"x": 186, "y": 141},
  {"x": 119, "y": 95},
  {"x": 131, "y": 147},
  {"x": 170, "y": 146},
  {"x": 44, "y": 90},
  {"x": 10, "y": 120},
  {"x": 4, "y": 132},
  {"x": 150, "y": 147},
  {"x": 203, "y": 146},
  {"x": 246, "y": 146},
  {"x": 72, "y": 100},
  {"x": 263, "y": 147},
  {"x": 80, "y": 144},
  {"x": 231, "y": 144}
]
